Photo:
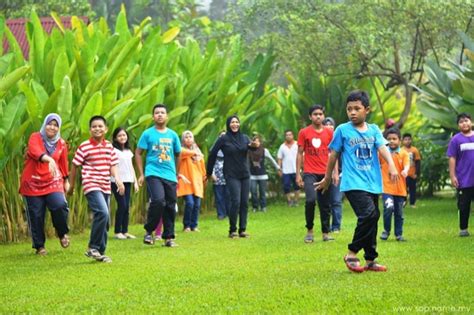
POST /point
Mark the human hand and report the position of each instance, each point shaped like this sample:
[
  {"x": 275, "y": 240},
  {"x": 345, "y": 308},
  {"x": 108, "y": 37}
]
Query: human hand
[
  {"x": 405, "y": 173},
  {"x": 52, "y": 168},
  {"x": 120, "y": 188},
  {"x": 454, "y": 181},
  {"x": 136, "y": 186},
  {"x": 299, "y": 180},
  {"x": 323, "y": 184},
  {"x": 141, "y": 179}
]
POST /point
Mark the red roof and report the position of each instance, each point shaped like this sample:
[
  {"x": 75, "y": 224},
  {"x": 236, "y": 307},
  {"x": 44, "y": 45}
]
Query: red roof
[{"x": 17, "y": 27}]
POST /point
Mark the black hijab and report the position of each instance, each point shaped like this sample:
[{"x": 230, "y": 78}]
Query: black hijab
[{"x": 236, "y": 138}]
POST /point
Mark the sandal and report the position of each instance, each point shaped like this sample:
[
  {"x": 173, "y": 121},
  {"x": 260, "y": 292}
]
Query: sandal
[
  {"x": 353, "y": 264},
  {"x": 41, "y": 251},
  {"x": 309, "y": 238},
  {"x": 373, "y": 266},
  {"x": 64, "y": 241}
]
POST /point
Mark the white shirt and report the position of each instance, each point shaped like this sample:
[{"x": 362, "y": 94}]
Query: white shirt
[
  {"x": 287, "y": 155},
  {"x": 125, "y": 166}
]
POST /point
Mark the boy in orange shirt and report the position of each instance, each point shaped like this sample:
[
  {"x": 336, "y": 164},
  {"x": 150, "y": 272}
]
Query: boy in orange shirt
[{"x": 394, "y": 193}]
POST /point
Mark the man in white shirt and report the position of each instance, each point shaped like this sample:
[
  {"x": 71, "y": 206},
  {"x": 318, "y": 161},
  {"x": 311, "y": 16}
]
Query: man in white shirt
[{"x": 287, "y": 161}]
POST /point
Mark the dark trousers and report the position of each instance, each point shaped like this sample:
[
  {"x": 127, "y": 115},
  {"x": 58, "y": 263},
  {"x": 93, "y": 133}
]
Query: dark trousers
[
  {"x": 323, "y": 202},
  {"x": 36, "y": 212},
  {"x": 222, "y": 200},
  {"x": 239, "y": 196},
  {"x": 411, "y": 184},
  {"x": 465, "y": 197},
  {"x": 192, "y": 206},
  {"x": 258, "y": 190},
  {"x": 162, "y": 194},
  {"x": 123, "y": 208},
  {"x": 366, "y": 208}
]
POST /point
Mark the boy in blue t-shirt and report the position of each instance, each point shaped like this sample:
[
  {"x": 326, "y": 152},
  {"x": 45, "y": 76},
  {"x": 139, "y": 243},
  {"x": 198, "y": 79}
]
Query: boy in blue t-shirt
[
  {"x": 358, "y": 142},
  {"x": 162, "y": 148}
]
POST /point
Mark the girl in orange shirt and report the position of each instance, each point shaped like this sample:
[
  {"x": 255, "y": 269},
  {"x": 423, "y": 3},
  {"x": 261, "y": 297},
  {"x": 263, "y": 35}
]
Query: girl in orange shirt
[{"x": 191, "y": 178}]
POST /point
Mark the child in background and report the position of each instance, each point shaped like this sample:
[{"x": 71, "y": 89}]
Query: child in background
[
  {"x": 99, "y": 161},
  {"x": 191, "y": 177},
  {"x": 415, "y": 167},
  {"x": 461, "y": 169},
  {"x": 128, "y": 177},
  {"x": 358, "y": 142},
  {"x": 394, "y": 194}
]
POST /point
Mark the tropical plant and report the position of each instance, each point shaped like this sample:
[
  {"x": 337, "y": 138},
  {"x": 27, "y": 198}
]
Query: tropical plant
[{"x": 88, "y": 70}]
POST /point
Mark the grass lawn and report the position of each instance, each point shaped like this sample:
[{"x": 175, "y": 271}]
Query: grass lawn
[{"x": 271, "y": 272}]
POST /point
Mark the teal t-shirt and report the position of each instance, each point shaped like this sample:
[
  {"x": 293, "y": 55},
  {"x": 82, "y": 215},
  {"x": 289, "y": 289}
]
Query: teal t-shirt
[
  {"x": 360, "y": 162},
  {"x": 161, "y": 148}
]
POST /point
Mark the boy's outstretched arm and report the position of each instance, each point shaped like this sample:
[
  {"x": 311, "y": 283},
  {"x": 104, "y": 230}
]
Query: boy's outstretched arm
[
  {"x": 326, "y": 181},
  {"x": 392, "y": 170}
]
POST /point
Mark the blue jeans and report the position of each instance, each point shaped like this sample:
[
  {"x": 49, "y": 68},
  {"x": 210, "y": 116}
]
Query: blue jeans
[
  {"x": 99, "y": 204},
  {"x": 258, "y": 199},
  {"x": 222, "y": 199},
  {"x": 336, "y": 206},
  {"x": 393, "y": 204},
  {"x": 191, "y": 211},
  {"x": 36, "y": 212}
]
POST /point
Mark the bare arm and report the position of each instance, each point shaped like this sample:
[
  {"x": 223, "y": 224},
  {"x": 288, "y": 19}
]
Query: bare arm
[
  {"x": 392, "y": 171},
  {"x": 72, "y": 179},
  {"x": 299, "y": 162},
  {"x": 452, "y": 172},
  {"x": 326, "y": 181},
  {"x": 139, "y": 162}
]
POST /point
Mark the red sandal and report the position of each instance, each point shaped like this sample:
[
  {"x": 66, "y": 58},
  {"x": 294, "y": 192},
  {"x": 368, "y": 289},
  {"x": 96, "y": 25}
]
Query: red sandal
[
  {"x": 373, "y": 266},
  {"x": 353, "y": 264}
]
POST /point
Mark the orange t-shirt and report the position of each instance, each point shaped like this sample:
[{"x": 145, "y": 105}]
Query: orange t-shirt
[
  {"x": 194, "y": 171},
  {"x": 414, "y": 155},
  {"x": 399, "y": 188}
]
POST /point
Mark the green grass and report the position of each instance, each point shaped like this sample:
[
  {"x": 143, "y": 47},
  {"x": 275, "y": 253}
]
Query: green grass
[{"x": 272, "y": 272}]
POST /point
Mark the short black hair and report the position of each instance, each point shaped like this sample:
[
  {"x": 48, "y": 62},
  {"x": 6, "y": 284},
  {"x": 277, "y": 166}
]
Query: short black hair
[
  {"x": 288, "y": 130},
  {"x": 315, "y": 107},
  {"x": 393, "y": 131},
  {"x": 358, "y": 95},
  {"x": 159, "y": 106},
  {"x": 115, "y": 142},
  {"x": 406, "y": 135},
  {"x": 97, "y": 117},
  {"x": 463, "y": 115}
]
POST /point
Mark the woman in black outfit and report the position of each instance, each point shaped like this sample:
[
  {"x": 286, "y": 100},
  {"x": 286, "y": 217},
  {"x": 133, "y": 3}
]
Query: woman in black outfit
[{"x": 235, "y": 146}]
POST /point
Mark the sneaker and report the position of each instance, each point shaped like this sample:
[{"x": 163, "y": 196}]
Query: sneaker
[
  {"x": 254, "y": 209},
  {"x": 264, "y": 209},
  {"x": 309, "y": 238},
  {"x": 243, "y": 234},
  {"x": 148, "y": 239},
  {"x": 384, "y": 236},
  {"x": 64, "y": 241},
  {"x": 401, "y": 239},
  {"x": 195, "y": 230},
  {"x": 464, "y": 233},
  {"x": 336, "y": 231},
  {"x": 41, "y": 251},
  {"x": 187, "y": 229},
  {"x": 221, "y": 217},
  {"x": 373, "y": 266},
  {"x": 170, "y": 243},
  {"x": 233, "y": 235},
  {"x": 158, "y": 238},
  {"x": 120, "y": 236},
  {"x": 94, "y": 254},
  {"x": 327, "y": 238},
  {"x": 353, "y": 264},
  {"x": 413, "y": 206},
  {"x": 130, "y": 236},
  {"x": 105, "y": 259}
]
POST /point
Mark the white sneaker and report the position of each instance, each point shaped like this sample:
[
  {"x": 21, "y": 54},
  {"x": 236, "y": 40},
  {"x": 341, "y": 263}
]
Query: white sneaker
[
  {"x": 130, "y": 236},
  {"x": 120, "y": 236}
]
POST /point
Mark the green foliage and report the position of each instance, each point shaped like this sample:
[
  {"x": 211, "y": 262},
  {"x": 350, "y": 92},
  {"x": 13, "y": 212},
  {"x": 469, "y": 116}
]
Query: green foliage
[
  {"x": 88, "y": 70},
  {"x": 273, "y": 272},
  {"x": 22, "y": 8}
]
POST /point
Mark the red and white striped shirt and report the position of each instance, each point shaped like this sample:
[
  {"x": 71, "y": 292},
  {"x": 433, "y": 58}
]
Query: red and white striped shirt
[{"x": 96, "y": 160}]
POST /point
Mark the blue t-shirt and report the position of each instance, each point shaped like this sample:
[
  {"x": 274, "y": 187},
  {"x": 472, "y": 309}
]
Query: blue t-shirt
[
  {"x": 359, "y": 157},
  {"x": 160, "y": 150}
]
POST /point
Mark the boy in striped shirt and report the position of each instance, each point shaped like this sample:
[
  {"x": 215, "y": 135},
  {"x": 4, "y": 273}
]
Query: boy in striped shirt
[{"x": 97, "y": 158}]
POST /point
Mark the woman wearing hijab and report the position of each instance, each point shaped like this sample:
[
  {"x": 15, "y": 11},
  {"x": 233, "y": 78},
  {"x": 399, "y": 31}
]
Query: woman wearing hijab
[
  {"x": 191, "y": 177},
  {"x": 44, "y": 181},
  {"x": 235, "y": 147}
]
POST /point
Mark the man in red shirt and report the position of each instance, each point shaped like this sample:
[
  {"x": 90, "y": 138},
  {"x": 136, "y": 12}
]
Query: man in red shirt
[{"x": 313, "y": 153}]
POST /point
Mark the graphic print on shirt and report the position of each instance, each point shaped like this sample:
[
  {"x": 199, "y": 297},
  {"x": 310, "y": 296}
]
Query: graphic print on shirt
[
  {"x": 313, "y": 147},
  {"x": 163, "y": 149},
  {"x": 363, "y": 148}
]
